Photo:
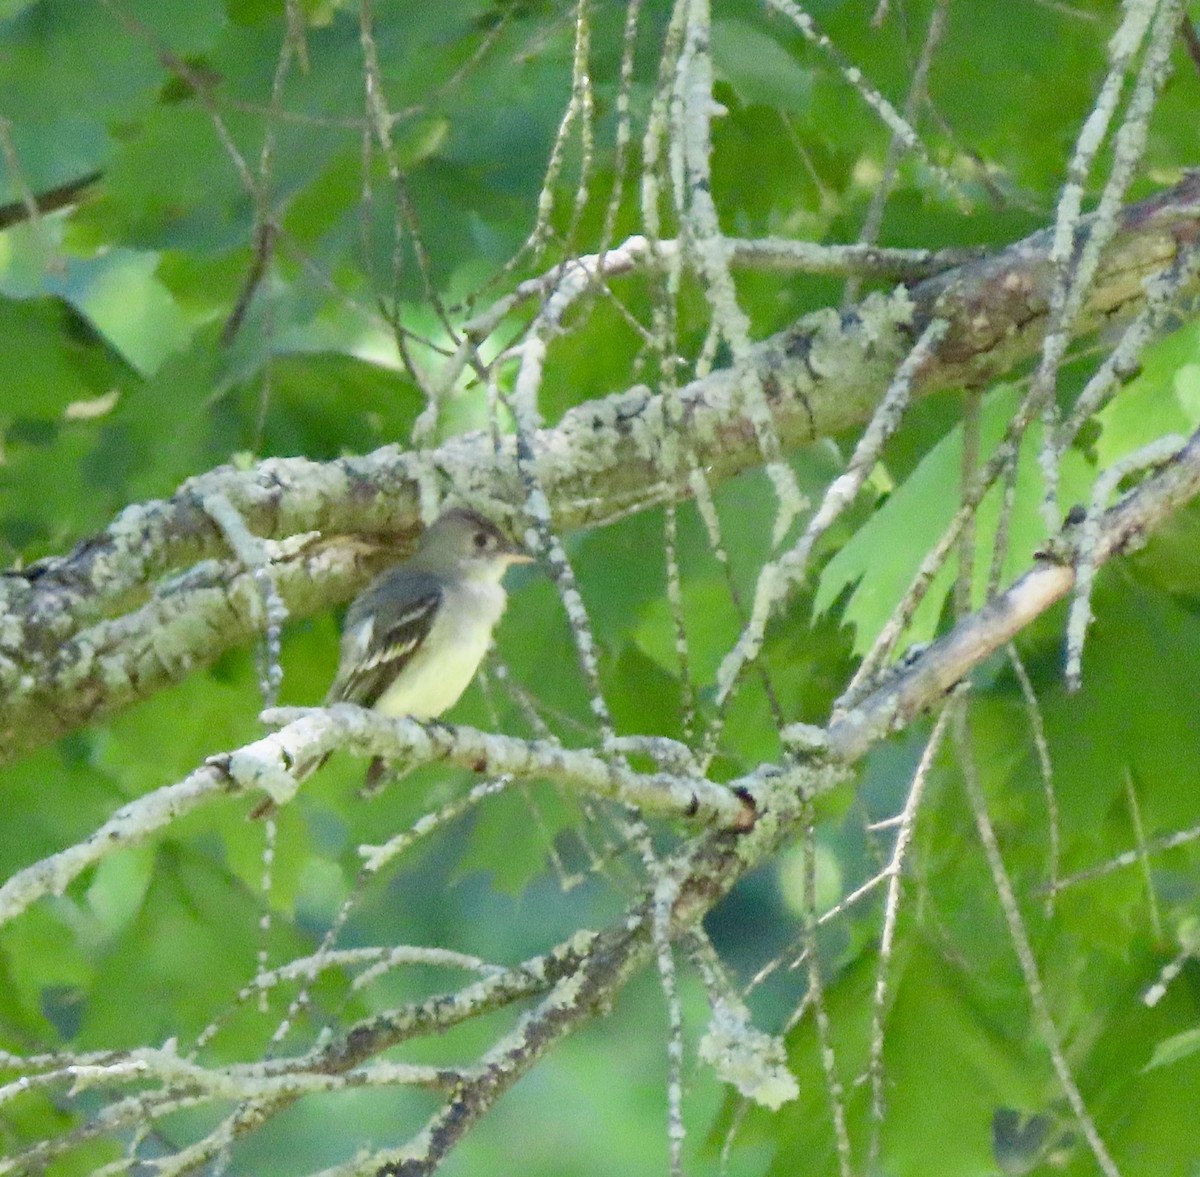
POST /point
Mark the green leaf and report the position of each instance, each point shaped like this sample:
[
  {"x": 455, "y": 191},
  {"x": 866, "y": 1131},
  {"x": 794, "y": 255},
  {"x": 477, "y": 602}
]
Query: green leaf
[
  {"x": 934, "y": 1029},
  {"x": 513, "y": 835},
  {"x": 1171, "y": 1050},
  {"x": 195, "y": 933},
  {"x": 879, "y": 563},
  {"x": 52, "y": 358},
  {"x": 758, "y": 67},
  {"x": 1164, "y": 398}
]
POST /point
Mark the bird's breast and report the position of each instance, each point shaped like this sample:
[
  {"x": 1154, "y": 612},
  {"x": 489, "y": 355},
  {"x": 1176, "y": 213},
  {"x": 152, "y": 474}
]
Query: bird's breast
[{"x": 449, "y": 657}]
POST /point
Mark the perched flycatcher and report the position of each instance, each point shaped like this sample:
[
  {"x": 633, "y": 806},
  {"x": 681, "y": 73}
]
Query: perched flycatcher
[{"x": 416, "y": 635}]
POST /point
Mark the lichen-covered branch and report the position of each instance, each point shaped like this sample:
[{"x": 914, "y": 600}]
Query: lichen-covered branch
[
  {"x": 267, "y": 764},
  {"x": 159, "y": 594}
]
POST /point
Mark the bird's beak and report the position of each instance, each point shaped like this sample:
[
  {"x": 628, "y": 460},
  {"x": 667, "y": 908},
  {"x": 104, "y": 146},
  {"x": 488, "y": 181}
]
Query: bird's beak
[{"x": 519, "y": 556}]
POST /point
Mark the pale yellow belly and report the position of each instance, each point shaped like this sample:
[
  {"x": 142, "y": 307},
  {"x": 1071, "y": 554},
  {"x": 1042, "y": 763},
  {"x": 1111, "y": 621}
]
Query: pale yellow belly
[{"x": 439, "y": 673}]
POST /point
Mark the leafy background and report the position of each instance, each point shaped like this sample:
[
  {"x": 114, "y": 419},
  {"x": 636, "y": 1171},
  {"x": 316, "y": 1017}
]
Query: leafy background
[{"x": 115, "y": 386}]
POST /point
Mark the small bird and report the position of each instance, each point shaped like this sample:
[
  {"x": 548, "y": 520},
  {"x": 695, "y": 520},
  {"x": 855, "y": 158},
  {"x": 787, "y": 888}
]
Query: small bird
[{"x": 414, "y": 638}]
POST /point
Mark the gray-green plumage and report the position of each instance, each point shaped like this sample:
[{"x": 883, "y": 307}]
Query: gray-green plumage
[
  {"x": 377, "y": 645},
  {"x": 415, "y": 637}
]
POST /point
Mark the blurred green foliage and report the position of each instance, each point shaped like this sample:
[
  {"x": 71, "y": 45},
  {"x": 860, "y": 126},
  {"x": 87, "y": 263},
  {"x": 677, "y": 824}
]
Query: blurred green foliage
[{"x": 115, "y": 386}]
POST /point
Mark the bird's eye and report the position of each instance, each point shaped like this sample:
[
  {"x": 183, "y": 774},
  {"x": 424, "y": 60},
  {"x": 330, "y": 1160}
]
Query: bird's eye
[{"x": 482, "y": 540}]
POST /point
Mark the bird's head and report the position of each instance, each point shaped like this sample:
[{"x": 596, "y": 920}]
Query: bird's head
[{"x": 463, "y": 540}]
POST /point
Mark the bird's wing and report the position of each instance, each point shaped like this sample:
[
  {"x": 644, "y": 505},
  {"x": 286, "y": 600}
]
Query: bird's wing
[{"x": 376, "y": 646}]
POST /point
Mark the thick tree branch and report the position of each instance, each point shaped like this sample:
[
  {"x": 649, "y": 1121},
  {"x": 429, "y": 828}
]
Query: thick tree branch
[{"x": 83, "y": 635}]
